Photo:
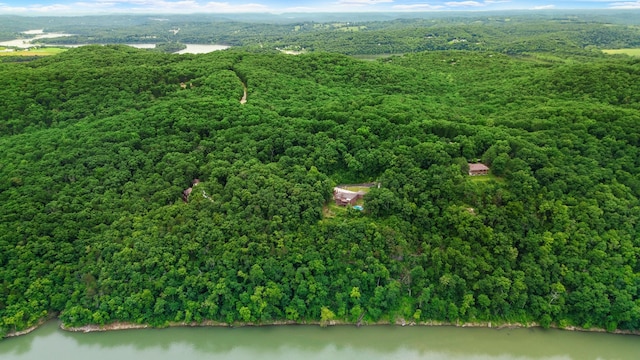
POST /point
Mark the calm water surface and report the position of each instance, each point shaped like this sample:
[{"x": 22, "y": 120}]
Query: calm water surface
[
  {"x": 313, "y": 342},
  {"x": 27, "y": 43}
]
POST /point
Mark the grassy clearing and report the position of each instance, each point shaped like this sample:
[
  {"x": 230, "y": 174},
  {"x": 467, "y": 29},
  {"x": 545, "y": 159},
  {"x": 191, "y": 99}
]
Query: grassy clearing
[
  {"x": 485, "y": 178},
  {"x": 35, "y": 52},
  {"x": 364, "y": 189},
  {"x": 631, "y": 52},
  {"x": 332, "y": 210}
]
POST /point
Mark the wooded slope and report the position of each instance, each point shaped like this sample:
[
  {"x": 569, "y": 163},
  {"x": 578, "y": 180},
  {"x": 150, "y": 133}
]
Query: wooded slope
[{"x": 98, "y": 143}]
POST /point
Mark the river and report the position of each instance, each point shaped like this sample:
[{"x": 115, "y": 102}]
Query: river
[{"x": 314, "y": 342}]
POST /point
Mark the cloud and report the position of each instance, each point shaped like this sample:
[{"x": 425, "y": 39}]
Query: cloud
[
  {"x": 95, "y": 4},
  {"x": 165, "y": 6},
  {"x": 138, "y": 7},
  {"x": 464, "y": 3},
  {"x": 417, "y": 7},
  {"x": 296, "y": 9},
  {"x": 543, "y": 7},
  {"x": 363, "y": 2},
  {"x": 625, "y": 5},
  {"x": 4, "y": 8},
  {"x": 226, "y": 7},
  {"x": 53, "y": 8},
  {"x": 189, "y": 6}
]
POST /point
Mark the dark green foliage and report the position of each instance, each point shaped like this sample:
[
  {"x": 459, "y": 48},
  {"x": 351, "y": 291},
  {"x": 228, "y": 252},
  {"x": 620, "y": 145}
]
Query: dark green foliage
[
  {"x": 98, "y": 144},
  {"x": 169, "y": 47}
]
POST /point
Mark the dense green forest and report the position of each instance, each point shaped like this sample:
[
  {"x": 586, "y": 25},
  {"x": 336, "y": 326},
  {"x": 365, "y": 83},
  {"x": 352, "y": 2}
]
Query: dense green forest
[
  {"x": 510, "y": 32},
  {"x": 98, "y": 143}
]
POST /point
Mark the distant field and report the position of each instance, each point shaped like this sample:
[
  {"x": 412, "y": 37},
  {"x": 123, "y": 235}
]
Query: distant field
[
  {"x": 36, "y": 52},
  {"x": 632, "y": 52}
]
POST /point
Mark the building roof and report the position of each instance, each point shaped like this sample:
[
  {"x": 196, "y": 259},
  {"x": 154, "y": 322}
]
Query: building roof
[
  {"x": 343, "y": 196},
  {"x": 346, "y": 197},
  {"x": 478, "y": 167}
]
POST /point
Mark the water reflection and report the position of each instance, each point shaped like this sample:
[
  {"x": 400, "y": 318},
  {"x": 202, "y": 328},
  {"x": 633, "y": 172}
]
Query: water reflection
[
  {"x": 313, "y": 342},
  {"x": 23, "y": 344}
]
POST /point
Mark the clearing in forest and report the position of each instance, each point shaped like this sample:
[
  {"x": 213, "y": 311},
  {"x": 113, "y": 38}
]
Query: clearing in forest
[
  {"x": 339, "y": 205},
  {"x": 485, "y": 178},
  {"x": 33, "y": 52},
  {"x": 630, "y": 51}
]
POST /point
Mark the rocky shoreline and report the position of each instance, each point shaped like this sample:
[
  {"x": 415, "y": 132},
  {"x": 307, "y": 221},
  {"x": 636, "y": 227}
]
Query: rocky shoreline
[
  {"x": 398, "y": 322},
  {"x": 108, "y": 327},
  {"x": 32, "y": 328}
]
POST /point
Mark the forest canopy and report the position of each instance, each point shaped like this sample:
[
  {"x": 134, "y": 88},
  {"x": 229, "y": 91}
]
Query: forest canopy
[
  {"x": 513, "y": 32},
  {"x": 97, "y": 145}
]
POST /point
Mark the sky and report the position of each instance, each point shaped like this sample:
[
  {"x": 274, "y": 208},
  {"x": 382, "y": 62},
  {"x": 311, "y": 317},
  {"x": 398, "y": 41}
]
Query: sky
[{"x": 76, "y": 7}]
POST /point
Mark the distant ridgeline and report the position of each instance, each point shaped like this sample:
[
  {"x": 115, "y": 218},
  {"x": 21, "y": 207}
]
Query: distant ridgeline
[
  {"x": 97, "y": 145},
  {"x": 567, "y": 32}
]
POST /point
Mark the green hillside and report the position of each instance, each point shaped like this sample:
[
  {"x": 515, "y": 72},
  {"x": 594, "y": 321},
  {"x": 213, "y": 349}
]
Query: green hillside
[{"x": 98, "y": 143}]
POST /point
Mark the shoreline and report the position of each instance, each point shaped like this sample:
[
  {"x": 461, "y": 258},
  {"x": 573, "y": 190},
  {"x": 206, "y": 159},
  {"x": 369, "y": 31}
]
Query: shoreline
[
  {"x": 118, "y": 325},
  {"x": 31, "y": 328},
  {"x": 516, "y": 325}
]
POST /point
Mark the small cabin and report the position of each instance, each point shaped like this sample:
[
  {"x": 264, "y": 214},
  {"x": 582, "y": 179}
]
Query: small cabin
[{"x": 478, "y": 169}]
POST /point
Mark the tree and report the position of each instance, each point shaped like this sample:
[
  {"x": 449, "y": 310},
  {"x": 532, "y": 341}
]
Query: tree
[{"x": 326, "y": 316}]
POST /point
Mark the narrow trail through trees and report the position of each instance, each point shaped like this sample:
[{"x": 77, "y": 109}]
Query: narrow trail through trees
[
  {"x": 244, "y": 97},
  {"x": 243, "y": 81}
]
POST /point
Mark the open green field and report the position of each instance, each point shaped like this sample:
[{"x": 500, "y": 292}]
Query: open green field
[
  {"x": 36, "y": 52},
  {"x": 631, "y": 52}
]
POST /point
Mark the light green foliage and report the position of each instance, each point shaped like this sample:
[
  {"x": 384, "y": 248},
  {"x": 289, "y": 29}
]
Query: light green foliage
[
  {"x": 326, "y": 316},
  {"x": 631, "y": 52}
]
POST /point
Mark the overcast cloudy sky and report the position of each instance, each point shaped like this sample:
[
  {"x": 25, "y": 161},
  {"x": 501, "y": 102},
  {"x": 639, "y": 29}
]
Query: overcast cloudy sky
[{"x": 72, "y": 7}]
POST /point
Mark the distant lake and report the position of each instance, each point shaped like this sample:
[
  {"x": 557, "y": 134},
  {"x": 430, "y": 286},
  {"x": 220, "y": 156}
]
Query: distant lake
[
  {"x": 190, "y": 49},
  {"x": 201, "y": 49},
  {"x": 314, "y": 342},
  {"x": 27, "y": 43}
]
